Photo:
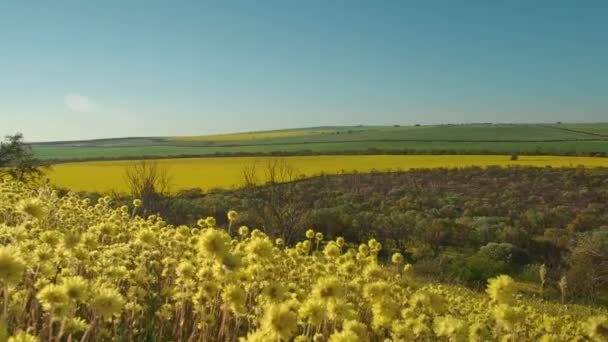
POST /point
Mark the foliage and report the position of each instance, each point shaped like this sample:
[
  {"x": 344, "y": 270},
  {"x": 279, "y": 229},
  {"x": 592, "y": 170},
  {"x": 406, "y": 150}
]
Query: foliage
[
  {"x": 495, "y": 220},
  {"x": 17, "y": 160}
]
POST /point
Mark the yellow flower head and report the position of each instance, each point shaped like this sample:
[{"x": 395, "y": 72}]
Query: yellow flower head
[
  {"x": 328, "y": 288},
  {"x": 214, "y": 243},
  {"x": 11, "y": 266},
  {"x": 340, "y": 242},
  {"x": 596, "y": 328},
  {"x": 53, "y": 297},
  {"x": 313, "y": 311},
  {"x": 310, "y": 234},
  {"x": 33, "y": 207},
  {"x": 76, "y": 288},
  {"x": 233, "y": 216},
  {"x": 279, "y": 322},
  {"x": 235, "y": 298},
  {"x": 319, "y": 236},
  {"x": 23, "y": 337},
  {"x": 107, "y": 302},
  {"x": 210, "y": 221},
  {"x": 243, "y": 230},
  {"x": 397, "y": 258},
  {"x": 501, "y": 289}
]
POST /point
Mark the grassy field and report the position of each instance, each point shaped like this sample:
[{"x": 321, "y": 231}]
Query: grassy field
[
  {"x": 444, "y": 139},
  {"x": 252, "y": 135},
  {"x": 209, "y": 173}
]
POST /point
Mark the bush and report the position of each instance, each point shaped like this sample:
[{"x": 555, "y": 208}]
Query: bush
[
  {"x": 505, "y": 252},
  {"x": 474, "y": 270}
]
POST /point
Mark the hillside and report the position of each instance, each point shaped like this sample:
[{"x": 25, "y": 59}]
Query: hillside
[
  {"x": 80, "y": 271},
  {"x": 439, "y": 139}
]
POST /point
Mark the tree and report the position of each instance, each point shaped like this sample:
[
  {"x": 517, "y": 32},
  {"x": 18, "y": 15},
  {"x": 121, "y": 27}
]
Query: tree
[
  {"x": 17, "y": 160},
  {"x": 275, "y": 202},
  {"x": 149, "y": 182},
  {"x": 588, "y": 261}
]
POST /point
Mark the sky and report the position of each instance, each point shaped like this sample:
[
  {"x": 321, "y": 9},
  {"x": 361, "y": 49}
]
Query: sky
[{"x": 94, "y": 69}]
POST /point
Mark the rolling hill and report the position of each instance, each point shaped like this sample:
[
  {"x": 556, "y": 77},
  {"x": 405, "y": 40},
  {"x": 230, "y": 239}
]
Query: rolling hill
[{"x": 572, "y": 139}]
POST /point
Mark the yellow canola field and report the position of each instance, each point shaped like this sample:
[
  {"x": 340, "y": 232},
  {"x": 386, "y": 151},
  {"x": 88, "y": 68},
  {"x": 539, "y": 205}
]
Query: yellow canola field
[
  {"x": 250, "y": 136},
  {"x": 210, "y": 173}
]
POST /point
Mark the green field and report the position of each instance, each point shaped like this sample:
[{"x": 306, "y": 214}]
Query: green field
[{"x": 470, "y": 138}]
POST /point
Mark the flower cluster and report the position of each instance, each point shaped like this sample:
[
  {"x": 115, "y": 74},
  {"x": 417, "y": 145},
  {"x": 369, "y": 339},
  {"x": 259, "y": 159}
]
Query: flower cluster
[{"x": 71, "y": 269}]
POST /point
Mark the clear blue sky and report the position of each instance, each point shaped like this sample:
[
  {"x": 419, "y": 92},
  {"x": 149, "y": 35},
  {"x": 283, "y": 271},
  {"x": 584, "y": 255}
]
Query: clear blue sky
[{"x": 87, "y": 69}]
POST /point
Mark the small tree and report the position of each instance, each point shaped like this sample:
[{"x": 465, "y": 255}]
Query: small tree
[
  {"x": 17, "y": 160},
  {"x": 276, "y": 206},
  {"x": 149, "y": 182}
]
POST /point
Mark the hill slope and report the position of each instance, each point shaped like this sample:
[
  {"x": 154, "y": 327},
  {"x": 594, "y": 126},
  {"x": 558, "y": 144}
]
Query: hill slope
[{"x": 455, "y": 139}]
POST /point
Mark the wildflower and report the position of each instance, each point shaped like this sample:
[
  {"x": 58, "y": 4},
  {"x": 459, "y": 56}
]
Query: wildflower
[
  {"x": 51, "y": 237},
  {"x": 340, "y": 309},
  {"x": 332, "y": 250},
  {"x": 259, "y": 247},
  {"x": 384, "y": 313},
  {"x": 397, "y": 258},
  {"x": 279, "y": 322},
  {"x": 52, "y": 297},
  {"x": 478, "y": 332},
  {"x": 344, "y": 336},
  {"x": 137, "y": 203},
  {"x": 328, "y": 288},
  {"x": 596, "y": 328},
  {"x": 274, "y": 292},
  {"x": 450, "y": 327},
  {"x": 373, "y": 271},
  {"x": 340, "y": 242},
  {"x": 408, "y": 270},
  {"x": 210, "y": 221},
  {"x": 231, "y": 261},
  {"x": 243, "y": 230},
  {"x": 501, "y": 289},
  {"x": 22, "y": 337},
  {"x": 185, "y": 270},
  {"x": 76, "y": 325},
  {"x": 306, "y": 245},
  {"x": 106, "y": 302},
  {"x": 75, "y": 287},
  {"x": 33, "y": 207},
  {"x": 364, "y": 249},
  {"x": 319, "y": 236},
  {"x": 356, "y": 327},
  {"x": 508, "y": 316},
  {"x": 146, "y": 237},
  {"x": 214, "y": 243},
  {"x": 310, "y": 234},
  {"x": 233, "y": 216},
  {"x": 235, "y": 297},
  {"x": 11, "y": 266},
  {"x": 313, "y": 311}
]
